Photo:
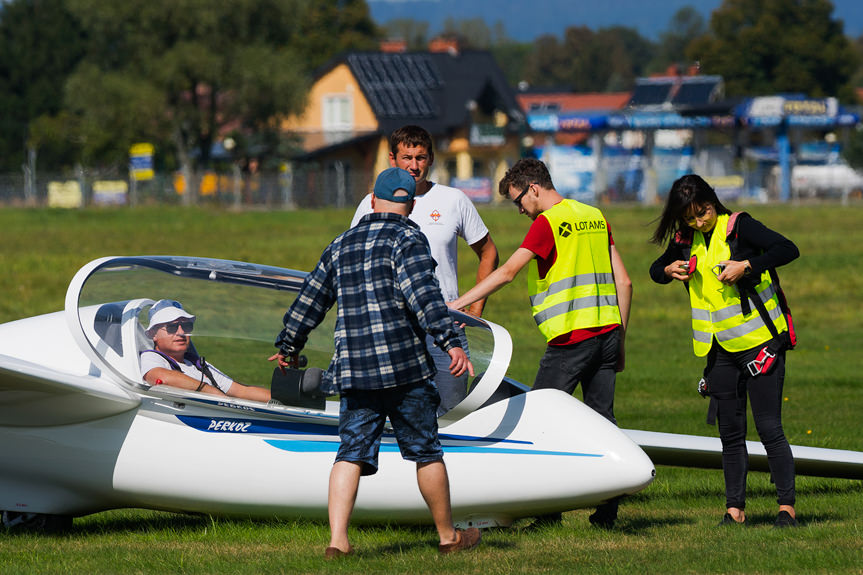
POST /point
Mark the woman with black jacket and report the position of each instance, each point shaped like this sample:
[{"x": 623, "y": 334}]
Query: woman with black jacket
[{"x": 743, "y": 338}]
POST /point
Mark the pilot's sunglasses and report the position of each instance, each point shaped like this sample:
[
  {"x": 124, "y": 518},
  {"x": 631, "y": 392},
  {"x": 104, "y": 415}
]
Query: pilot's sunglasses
[{"x": 171, "y": 328}]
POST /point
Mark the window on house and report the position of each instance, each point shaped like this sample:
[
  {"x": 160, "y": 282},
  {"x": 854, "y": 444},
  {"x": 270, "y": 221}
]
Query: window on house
[{"x": 338, "y": 112}]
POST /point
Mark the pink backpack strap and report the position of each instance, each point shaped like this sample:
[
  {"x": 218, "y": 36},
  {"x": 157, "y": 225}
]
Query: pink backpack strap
[{"x": 732, "y": 219}]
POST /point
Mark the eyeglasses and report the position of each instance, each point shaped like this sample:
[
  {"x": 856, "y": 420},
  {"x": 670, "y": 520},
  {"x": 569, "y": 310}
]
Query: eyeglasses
[
  {"x": 171, "y": 328},
  {"x": 703, "y": 212},
  {"x": 517, "y": 200}
]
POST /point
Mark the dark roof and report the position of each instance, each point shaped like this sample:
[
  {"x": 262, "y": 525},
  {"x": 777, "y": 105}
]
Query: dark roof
[
  {"x": 398, "y": 85},
  {"x": 676, "y": 91},
  {"x": 431, "y": 89}
]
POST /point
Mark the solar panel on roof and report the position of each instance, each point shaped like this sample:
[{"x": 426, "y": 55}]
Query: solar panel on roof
[
  {"x": 694, "y": 93},
  {"x": 362, "y": 69},
  {"x": 387, "y": 105},
  {"x": 398, "y": 85},
  {"x": 401, "y": 72},
  {"x": 429, "y": 73},
  {"x": 413, "y": 71},
  {"x": 650, "y": 94}
]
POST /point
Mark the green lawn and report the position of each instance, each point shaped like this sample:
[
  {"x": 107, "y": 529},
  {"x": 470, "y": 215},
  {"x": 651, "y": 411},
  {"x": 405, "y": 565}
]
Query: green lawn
[{"x": 668, "y": 528}]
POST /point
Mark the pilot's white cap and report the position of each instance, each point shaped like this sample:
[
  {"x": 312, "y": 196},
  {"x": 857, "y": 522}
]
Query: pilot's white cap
[{"x": 167, "y": 310}]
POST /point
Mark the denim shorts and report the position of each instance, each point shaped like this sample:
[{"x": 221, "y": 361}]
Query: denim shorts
[{"x": 412, "y": 411}]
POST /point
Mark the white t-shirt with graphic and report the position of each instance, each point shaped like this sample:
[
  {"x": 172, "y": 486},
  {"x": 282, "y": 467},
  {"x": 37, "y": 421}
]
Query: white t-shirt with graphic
[{"x": 443, "y": 214}]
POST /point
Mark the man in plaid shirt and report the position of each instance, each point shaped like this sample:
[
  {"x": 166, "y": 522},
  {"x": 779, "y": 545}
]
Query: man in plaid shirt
[{"x": 381, "y": 274}]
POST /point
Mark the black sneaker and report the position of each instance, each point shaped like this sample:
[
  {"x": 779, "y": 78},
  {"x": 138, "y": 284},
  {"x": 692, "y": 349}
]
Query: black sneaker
[
  {"x": 727, "y": 519},
  {"x": 784, "y": 519}
]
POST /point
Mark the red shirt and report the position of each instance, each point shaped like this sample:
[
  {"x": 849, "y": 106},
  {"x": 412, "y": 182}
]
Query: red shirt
[{"x": 540, "y": 240}]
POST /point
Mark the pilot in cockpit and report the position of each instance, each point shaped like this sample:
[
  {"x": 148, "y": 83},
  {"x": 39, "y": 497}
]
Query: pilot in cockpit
[{"x": 173, "y": 362}]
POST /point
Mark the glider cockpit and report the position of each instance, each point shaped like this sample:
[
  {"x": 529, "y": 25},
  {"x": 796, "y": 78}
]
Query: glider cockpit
[{"x": 239, "y": 308}]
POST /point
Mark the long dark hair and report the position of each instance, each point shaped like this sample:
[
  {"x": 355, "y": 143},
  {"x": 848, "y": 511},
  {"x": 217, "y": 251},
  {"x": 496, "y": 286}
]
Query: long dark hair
[{"x": 685, "y": 191}]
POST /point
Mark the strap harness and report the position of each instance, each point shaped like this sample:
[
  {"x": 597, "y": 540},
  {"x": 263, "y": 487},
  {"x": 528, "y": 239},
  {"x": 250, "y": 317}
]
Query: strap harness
[
  {"x": 786, "y": 341},
  {"x": 198, "y": 361},
  {"x": 766, "y": 357}
]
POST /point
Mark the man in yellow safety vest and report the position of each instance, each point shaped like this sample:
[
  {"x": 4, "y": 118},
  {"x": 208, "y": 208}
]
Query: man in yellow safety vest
[{"x": 580, "y": 294}]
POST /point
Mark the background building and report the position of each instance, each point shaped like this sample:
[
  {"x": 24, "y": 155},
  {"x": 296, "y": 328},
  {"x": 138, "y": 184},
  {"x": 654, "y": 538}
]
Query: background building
[{"x": 358, "y": 99}]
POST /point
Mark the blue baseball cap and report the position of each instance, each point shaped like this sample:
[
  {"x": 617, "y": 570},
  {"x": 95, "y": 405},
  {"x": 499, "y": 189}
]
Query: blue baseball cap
[{"x": 393, "y": 179}]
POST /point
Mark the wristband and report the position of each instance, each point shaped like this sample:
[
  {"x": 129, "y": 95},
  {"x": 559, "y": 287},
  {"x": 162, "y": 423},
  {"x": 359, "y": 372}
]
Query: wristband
[{"x": 288, "y": 350}]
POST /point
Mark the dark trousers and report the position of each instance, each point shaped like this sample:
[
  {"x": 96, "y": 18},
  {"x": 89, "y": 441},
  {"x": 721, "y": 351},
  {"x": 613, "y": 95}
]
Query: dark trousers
[
  {"x": 730, "y": 382},
  {"x": 590, "y": 362}
]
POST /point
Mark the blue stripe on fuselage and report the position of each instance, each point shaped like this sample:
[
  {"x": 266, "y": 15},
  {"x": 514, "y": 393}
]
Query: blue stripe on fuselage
[
  {"x": 270, "y": 427},
  {"x": 303, "y": 446}
]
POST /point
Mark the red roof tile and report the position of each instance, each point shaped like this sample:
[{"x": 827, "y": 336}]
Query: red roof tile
[{"x": 576, "y": 102}]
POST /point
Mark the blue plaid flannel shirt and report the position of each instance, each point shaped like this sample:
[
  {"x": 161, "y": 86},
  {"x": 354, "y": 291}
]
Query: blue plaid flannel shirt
[{"x": 381, "y": 274}]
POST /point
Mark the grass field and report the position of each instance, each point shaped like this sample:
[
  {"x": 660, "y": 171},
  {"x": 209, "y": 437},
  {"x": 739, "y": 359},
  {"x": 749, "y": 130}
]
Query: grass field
[{"x": 667, "y": 528}]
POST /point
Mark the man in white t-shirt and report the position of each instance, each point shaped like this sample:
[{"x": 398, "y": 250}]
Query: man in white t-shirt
[
  {"x": 170, "y": 362},
  {"x": 443, "y": 214}
]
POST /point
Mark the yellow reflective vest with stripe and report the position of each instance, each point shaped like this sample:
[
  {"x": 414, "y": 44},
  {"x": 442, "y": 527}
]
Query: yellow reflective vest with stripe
[
  {"x": 578, "y": 291},
  {"x": 716, "y": 309}
]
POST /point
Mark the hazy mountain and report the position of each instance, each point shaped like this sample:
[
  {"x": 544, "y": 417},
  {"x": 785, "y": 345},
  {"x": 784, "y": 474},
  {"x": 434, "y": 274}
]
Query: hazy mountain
[{"x": 524, "y": 20}]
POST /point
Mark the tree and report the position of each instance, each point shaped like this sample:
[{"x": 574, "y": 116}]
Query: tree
[
  {"x": 331, "y": 27},
  {"x": 769, "y": 46},
  {"x": 414, "y": 32},
  {"x": 685, "y": 26},
  {"x": 185, "y": 73},
  {"x": 40, "y": 42},
  {"x": 857, "y": 78},
  {"x": 471, "y": 33},
  {"x": 181, "y": 71},
  {"x": 547, "y": 65},
  {"x": 588, "y": 61},
  {"x": 628, "y": 55},
  {"x": 511, "y": 57}
]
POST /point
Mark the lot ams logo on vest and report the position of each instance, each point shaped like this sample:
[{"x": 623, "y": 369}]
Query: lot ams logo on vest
[{"x": 565, "y": 229}]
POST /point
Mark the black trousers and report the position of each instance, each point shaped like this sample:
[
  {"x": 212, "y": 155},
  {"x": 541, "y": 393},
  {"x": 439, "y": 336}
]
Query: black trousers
[
  {"x": 730, "y": 382},
  {"x": 591, "y": 363}
]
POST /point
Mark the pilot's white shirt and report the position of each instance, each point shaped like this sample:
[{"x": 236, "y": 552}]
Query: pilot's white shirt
[{"x": 151, "y": 359}]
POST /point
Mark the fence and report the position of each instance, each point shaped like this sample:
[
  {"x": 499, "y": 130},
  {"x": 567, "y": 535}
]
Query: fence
[
  {"x": 307, "y": 186},
  {"x": 335, "y": 185}
]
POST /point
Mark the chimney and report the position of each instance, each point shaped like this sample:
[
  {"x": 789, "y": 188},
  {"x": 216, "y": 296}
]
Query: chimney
[
  {"x": 447, "y": 45},
  {"x": 394, "y": 46}
]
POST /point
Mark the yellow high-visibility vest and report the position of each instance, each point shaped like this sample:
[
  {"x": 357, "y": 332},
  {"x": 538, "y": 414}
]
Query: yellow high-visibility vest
[
  {"x": 716, "y": 310},
  {"x": 578, "y": 291}
]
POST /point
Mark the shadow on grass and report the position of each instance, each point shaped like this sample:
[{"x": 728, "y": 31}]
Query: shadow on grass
[
  {"x": 756, "y": 487},
  {"x": 144, "y": 521},
  {"x": 139, "y": 522},
  {"x": 825, "y": 486},
  {"x": 635, "y": 526},
  {"x": 116, "y": 525}
]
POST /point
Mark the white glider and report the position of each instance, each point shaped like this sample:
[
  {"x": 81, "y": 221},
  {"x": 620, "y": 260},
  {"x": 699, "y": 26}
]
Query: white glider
[{"x": 80, "y": 431}]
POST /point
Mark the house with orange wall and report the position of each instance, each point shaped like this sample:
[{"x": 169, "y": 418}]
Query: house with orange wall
[{"x": 461, "y": 97}]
